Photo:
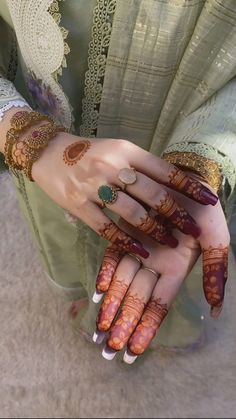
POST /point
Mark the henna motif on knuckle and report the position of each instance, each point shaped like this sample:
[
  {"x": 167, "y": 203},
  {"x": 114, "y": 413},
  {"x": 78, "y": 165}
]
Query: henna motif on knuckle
[
  {"x": 107, "y": 270},
  {"x": 191, "y": 187},
  {"x": 75, "y": 151},
  {"x": 215, "y": 273},
  {"x": 128, "y": 319},
  {"x": 111, "y": 304},
  {"x": 157, "y": 231},
  {"x": 178, "y": 216},
  {"x": 122, "y": 240},
  {"x": 151, "y": 320}
]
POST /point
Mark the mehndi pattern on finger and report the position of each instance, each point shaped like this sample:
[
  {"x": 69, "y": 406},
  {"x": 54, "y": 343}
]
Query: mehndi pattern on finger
[
  {"x": 215, "y": 274},
  {"x": 122, "y": 240},
  {"x": 177, "y": 215},
  {"x": 75, "y": 151},
  {"x": 146, "y": 330},
  {"x": 191, "y": 187},
  {"x": 110, "y": 261},
  {"x": 128, "y": 319},
  {"x": 111, "y": 304}
]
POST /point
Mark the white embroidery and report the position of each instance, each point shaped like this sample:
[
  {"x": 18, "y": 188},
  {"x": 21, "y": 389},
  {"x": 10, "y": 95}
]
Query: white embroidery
[
  {"x": 41, "y": 43},
  {"x": 13, "y": 103}
]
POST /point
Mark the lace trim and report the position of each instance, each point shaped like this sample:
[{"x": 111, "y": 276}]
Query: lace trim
[
  {"x": 205, "y": 150},
  {"x": 42, "y": 45},
  {"x": 54, "y": 10},
  {"x": 11, "y": 104},
  {"x": 97, "y": 57}
]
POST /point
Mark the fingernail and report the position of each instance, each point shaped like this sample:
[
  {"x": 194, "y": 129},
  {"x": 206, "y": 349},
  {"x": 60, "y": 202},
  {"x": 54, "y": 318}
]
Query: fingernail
[
  {"x": 208, "y": 197},
  {"x": 170, "y": 241},
  {"x": 98, "y": 337},
  {"x": 192, "y": 228},
  {"x": 97, "y": 297},
  {"x": 138, "y": 248},
  {"x": 129, "y": 359},
  {"x": 215, "y": 311},
  {"x": 109, "y": 354}
]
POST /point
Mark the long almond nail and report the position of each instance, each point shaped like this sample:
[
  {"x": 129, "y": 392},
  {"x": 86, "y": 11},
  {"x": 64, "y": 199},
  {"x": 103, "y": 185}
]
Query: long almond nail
[
  {"x": 98, "y": 337},
  {"x": 137, "y": 247}
]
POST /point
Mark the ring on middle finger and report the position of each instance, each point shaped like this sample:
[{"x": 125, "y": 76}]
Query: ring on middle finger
[
  {"x": 108, "y": 194},
  {"x": 127, "y": 176}
]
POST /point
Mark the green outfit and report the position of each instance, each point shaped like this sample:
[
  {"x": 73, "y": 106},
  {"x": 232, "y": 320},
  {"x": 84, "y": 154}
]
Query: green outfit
[{"x": 159, "y": 73}]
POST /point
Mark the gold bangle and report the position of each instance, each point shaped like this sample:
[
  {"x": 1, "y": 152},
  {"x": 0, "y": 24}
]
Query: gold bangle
[
  {"x": 19, "y": 122},
  {"x": 207, "y": 169}
]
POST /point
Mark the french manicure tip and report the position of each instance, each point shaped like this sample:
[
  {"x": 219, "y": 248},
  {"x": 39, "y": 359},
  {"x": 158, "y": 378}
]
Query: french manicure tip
[
  {"x": 97, "y": 297},
  {"x": 109, "y": 356},
  {"x": 95, "y": 337},
  {"x": 129, "y": 359}
]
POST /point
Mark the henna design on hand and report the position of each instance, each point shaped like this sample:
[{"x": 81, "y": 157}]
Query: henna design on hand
[
  {"x": 111, "y": 259},
  {"x": 215, "y": 273},
  {"x": 75, "y": 151},
  {"x": 128, "y": 319},
  {"x": 178, "y": 216},
  {"x": 122, "y": 240},
  {"x": 157, "y": 230},
  {"x": 111, "y": 304},
  {"x": 191, "y": 187},
  {"x": 146, "y": 330}
]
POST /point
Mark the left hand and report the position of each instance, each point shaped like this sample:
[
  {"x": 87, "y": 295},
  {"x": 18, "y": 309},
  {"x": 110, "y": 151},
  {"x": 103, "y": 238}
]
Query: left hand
[{"x": 146, "y": 297}]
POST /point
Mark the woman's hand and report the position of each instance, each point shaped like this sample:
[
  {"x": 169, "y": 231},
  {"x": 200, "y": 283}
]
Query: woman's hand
[
  {"x": 71, "y": 170},
  {"x": 143, "y": 297}
]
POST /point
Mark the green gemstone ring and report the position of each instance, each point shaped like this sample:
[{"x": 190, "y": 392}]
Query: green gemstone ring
[{"x": 108, "y": 194}]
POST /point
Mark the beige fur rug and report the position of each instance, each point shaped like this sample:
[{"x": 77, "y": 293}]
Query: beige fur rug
[{"x": 48, "y": 371}]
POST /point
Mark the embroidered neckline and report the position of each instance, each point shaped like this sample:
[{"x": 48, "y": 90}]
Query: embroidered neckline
[{"x": 97, "y": 58}]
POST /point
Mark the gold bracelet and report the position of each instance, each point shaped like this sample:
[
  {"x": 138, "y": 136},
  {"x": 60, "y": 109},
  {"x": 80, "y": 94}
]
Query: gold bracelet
[
  {"x": 26, "y": 152},
  {"x": 19, "y": 122},
  {"x": 207, "y": 169}
]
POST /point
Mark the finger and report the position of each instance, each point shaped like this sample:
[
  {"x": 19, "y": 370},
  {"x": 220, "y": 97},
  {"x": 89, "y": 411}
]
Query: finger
[
  {"x": 168, "y": 174},
  {"x": 110, "y": 262},
  {"x": 130, "y": 313},
  {"x": 215, "y": 273},
  {"x": 94, "y": 217},
  {"x": 123, "y": 277},
  {"x": 159, "y": 199},
  {"x": 155, "y": 312},
  {"x": 135, "y": 214}
]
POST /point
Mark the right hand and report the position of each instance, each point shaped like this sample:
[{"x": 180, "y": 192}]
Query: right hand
[{"x": 71, "y": 169}]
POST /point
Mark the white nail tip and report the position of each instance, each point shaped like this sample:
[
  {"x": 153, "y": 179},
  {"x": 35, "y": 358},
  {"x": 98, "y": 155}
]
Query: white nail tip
[
  {"x": 109, "y": 356},
  {"x": 129, "y": 359},
  {"x": 95, "y": 337},
  {"x": 98, "y": 337},
  {"x": 97, "y": 297}
]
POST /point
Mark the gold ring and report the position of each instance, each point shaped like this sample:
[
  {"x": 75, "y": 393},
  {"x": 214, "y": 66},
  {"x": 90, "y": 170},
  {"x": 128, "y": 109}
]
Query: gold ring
[
  {"x": 152, "y": 271},
  {"x": 127, "y": 176},
  {"x": 135, "y": 257}
]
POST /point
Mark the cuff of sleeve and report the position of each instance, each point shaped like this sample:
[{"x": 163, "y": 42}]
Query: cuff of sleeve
[{"x": 208, "y": 152}]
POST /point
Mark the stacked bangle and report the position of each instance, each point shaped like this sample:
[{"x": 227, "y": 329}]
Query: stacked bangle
[
  {"x": 21, "y": 154},
  {"x": 207, "y": 169}
]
